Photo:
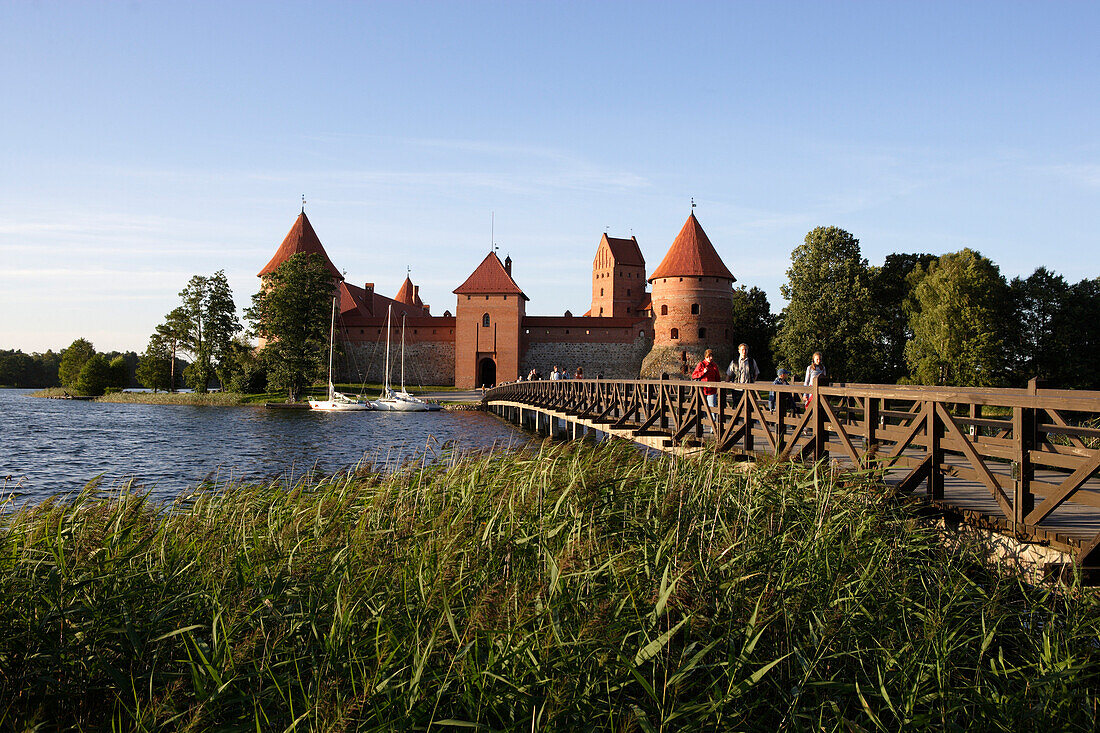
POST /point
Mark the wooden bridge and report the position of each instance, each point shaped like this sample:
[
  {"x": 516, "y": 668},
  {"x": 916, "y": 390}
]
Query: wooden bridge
[{"x": 1020, "y": 461}]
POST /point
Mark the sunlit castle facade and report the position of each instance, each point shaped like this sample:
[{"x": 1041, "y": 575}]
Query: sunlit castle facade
[{"x": 490, "y": 338}]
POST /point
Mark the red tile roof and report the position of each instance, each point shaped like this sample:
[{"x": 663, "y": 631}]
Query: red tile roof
[
  {"x": 489, "y": 278},
  {"x": 407, "y": 293},
  {"x": 691, "y": 255},
  {"x": 625, "y": 251},
  {"x": 300, "y": 239}
]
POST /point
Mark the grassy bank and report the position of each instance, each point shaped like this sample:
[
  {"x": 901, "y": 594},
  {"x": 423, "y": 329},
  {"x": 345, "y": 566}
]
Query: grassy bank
[{"x": 574, "y": 587}]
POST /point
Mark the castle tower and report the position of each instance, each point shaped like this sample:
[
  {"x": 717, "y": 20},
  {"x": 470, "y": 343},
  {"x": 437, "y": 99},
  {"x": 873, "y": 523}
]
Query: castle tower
[
  {"x": 488, "y": 317},
  {"x": 692, "y": 304},
  {"x": 618, "y": 278},
  {"x": 301, "y": 239}
]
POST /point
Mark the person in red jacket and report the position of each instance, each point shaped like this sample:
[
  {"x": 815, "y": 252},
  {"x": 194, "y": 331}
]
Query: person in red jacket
[{"x": 707, "y": 371}]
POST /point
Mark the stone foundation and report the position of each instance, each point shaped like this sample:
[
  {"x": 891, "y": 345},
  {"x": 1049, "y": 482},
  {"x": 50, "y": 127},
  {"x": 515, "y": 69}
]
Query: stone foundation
[
  {"x": 668, "y": 360},
  {"x": 429, "y": 362},
  {"x": 608, "y": 361}
]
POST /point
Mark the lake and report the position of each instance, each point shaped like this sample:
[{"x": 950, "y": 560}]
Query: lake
[{"x": 52, "y": 446}]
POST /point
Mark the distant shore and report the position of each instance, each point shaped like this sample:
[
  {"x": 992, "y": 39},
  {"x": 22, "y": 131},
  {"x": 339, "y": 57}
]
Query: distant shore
[{"x": 223, "y": 399}]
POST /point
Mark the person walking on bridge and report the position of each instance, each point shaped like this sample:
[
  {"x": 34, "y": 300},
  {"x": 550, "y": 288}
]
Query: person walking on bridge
[{"x": 707, "y": 371}]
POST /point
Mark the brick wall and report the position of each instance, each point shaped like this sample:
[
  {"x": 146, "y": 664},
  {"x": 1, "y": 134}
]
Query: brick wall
[{"x": 612, "y": 361}]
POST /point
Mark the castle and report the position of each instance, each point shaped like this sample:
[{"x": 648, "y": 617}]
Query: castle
[{"x": 629, "y": 331}]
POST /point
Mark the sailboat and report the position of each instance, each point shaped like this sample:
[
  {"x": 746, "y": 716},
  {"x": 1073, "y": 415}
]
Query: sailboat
[
  {"x": 337, "y": 401},
  {"x": 399, "y": 401}
]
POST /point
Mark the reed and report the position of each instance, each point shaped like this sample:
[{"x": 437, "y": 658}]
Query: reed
[{"x": 556, "y": 588}]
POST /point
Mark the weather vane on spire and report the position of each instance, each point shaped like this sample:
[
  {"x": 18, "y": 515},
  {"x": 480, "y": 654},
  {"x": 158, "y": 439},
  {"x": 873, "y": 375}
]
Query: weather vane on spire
[
  {"x": 303, "y": 203},
  {"x": 408, "y": 270},
  {"x": 693, "y": 204}
]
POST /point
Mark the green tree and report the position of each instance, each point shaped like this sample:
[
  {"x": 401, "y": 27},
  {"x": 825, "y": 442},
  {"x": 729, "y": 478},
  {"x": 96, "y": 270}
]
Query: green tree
[
  {"x": 73, "y": 360},
  {"x": 1080, "y": 323},
  {"x": 891, "y": 286},
  {"x": 95, "y": 376},
  {"x": 119, "y": 373},
  {"x": 958, "y": 317},
  {"x": 291, "y": 312},
  {"x": 154, "y": 369},
  {"x": 242, "y": 370},
  {"x": 202, "y": 326},
  {"x": 754, "y": 324},
  {"x": 1038, "y": 340},
  {"x": 830, "y": 308}
]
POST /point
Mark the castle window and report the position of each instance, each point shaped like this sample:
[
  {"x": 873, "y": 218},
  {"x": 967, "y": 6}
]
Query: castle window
[
  {"x": 485, "y": 321},
  {"x": 601, "y": 311},
  {"x": 360, "y": 331},
  {"x": 527, "y": 331},
  {"x": 486, "y": 297},
  {"x": 567, "y": 330},
  {"x": 700, "y": 279},
  {"x": 601, "y": 292},
  {"x": 628, "y": 309},
  {"x": 468, "y": 297},
  {"x": 675, "y": 333},
  {"x": 433, "y": 331},
  {"x": 641, "y": 333},
  {"x": 664, "y": 310},
  {"x": 414, "y": 332},
  {"x": 694, "y": 309},
  {"x": 628, "y": 291},
  {"x": 702, "y": 333},
  {"x": 587, "y": 332}
]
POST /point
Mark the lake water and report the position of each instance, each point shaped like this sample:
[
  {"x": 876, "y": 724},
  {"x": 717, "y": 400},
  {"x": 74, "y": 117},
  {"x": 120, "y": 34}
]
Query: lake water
[{"x": 53, "y": 446}]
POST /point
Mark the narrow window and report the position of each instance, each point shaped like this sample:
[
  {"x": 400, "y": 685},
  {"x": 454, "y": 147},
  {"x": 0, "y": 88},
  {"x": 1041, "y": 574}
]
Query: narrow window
[
  {"x": 702, "y": 333},
  {"x": 601, "y": 292},
  {"x": 628, "y": 291},
  {"x": 485, "y": 321},
  {"x": 675, "y": 333},
  {"x": 694, "y": 309},
  {"x": 664, "y": 310}
]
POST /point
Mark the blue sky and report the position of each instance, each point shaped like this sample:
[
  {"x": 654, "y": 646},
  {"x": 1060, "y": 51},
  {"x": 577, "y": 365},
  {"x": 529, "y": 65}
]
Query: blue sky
[{"x": 147, "y": 142}]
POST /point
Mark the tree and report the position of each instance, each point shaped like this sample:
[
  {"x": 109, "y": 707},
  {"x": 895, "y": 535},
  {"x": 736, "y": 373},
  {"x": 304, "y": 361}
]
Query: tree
[
  {"x": 891, "y": 286},
  {"x": 202, "y": 326},
  {"x": 242, "y": 370},
  {"x": 155, "y": 368},
  {"x": 754, "y": 324},
  {"x": 73, "y": 360},
  {"x": 95, "y": 376},
  {"x": 1080, "y": 324},
  {"x": 1036, "y": 342},
  {"x": 291, "y": 312},
  {"x": 119, "y": 373},
  {"x": 958, "y": 316},
  {"x": 830, "y": 308}
]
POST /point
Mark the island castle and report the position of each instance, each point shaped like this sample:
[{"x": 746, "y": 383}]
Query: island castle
[{"x": 628, "y": 331}]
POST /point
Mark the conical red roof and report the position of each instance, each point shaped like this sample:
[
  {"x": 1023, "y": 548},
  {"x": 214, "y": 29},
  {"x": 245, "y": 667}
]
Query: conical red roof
[
  {"x": 692, "y": 255},
  {"x": 408, "y": 295},
  {"x": 300, "y": 239},
  {"x": 490, "y": 278}
]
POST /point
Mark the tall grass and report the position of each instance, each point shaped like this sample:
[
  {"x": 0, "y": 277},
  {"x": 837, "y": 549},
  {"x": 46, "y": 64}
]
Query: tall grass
[{"x": 565, "y": 588}]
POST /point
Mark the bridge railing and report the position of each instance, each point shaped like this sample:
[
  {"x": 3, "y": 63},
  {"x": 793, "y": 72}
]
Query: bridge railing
[{"x": 1032, "y": 452}]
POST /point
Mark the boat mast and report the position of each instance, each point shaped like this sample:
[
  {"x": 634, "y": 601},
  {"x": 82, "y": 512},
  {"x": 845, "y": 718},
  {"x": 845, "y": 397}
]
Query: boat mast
[
  {"x": 386, "y": 379},
  {"x": 331, "y": 345},
  {"x": 402, "y": 352}
]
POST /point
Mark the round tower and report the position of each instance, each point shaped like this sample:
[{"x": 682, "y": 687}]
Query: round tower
[{"x": 692, "y": 291}]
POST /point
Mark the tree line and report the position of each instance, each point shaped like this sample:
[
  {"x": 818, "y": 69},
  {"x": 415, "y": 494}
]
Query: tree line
[{"x": 949, "y": 319}]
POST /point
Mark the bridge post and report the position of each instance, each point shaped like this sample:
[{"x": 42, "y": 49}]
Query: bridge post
[
  {"x": 935, "y": 451},
  {"x": 1025, "y": 435},
  {"x": 746, "y": 414},
  {"x": 870, "y": 426}
]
